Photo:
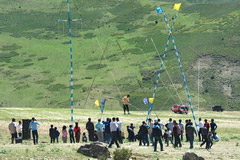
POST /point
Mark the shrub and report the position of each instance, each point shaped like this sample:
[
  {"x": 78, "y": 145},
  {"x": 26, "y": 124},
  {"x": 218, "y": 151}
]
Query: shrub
[{"x": 122, "y": 154}]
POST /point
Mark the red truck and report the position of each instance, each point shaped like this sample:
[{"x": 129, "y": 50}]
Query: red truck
[{"x": 180, "y": 109}]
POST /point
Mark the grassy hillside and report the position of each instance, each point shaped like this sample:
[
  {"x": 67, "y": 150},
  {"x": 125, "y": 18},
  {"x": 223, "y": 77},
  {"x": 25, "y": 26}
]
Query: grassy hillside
[{"x": 34, "y": 52}]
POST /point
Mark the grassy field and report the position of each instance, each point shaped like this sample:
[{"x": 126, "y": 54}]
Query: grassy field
[
  {"x": 34, "y": 52},
  {"x": 227, "y": 148}
]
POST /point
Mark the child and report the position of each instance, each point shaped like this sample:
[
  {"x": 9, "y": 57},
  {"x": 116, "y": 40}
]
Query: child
[
  {"x": 84, "y": 137},
  {"x": 56, "y": 134},
  {"x": 51, "y": 134},
  {"x": 71, "y": 134},
  {"x": 64, "y": 134}
]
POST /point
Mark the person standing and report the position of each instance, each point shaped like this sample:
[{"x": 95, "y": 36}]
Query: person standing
[
  {"x": 33, "y": 126},
  {"x": 77, "y": 132},
  {"x": 157, "y": 136},
  {"x": 125, "y": 100},
  {"x": 19, "y": 129},
  {"x": 56, "y": 134},
  {"x": 150, "y": 124},
  {"x": 99, "y": 127},
  {"x": 176, "y": 133},
  {"x": 161, "y": 125},
  {"x": 107, "y": 131},
  {"x": 143, "y": 132},
  {"x": 207, "y": 124},
  {"x": 190, "y": 131},
  {"x": 51, "y": 134},
  {"x": 186, "y": 125},
  {"x": 64, "y": 134},
  {"x": 170, "y": 126},
  {"x": 201, "y": 125},
  {"x": 90, "y": 128},
  {"x": 213, "y": 127},
  {"x": 113, "y": 129},
  {"x": 13, "y": 130},
  {"x": 181, "y": 126},
  {"x": 119, "y": 130},
  {"x": 71, "y": 134}
]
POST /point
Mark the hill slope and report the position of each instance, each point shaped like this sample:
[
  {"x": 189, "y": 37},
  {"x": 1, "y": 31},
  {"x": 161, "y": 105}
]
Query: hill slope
[{"x": 34, "y": 52}]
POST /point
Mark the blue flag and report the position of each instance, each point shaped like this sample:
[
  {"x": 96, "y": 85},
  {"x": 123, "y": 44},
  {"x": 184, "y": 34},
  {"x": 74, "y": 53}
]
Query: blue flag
[
  {"x": 145, "y": 100},
  {"x": 103, "y": 102},
  {"x": 159, "y": 10}
]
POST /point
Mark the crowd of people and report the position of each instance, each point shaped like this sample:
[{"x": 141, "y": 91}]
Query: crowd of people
[{"x": 110, "y": 131}]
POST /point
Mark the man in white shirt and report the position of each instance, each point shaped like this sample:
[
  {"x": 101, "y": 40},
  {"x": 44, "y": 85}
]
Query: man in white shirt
[
  {"x": 201, "y": 125},
  {"x": 181, "y": 126},
  {"x": 113, "y": 129},
  {"x": 19, "y": 129},
  {"x": 161, "y": 125},
  {"x": 170, "y": 126},
  {"x": 119, "y": 130},
  {"x": 12, "y": 129}
]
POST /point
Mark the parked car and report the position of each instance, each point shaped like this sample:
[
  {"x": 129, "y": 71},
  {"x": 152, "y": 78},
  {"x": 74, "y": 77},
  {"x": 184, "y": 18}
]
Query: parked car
[
  {"x": 217, "y": 108},
  {"x": 181, "y": 109}
]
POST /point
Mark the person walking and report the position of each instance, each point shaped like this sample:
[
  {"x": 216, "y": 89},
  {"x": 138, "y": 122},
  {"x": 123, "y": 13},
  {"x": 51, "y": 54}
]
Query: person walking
[
  {"x": 204, "y": 136},
  {"x": 207, "y": 124},
  {"x": 19, "y": 129},
  {"x": 176, "y": 133},
  {"x": 64, "y": 134},
  {"x": 143, "y": 132},
  {"x": 113, "y": 129},
  {"x": 33, "y": 126},
  {"x": 181, "y": 126},
  {"x": 77, "y": 132},
  {"x": 12, "y": 129},
  {"x": 99, "y": 127},
  {"x": 119, "y": 130},
  {"x": 125, "y": 100},
  {"x": 90, "y": 129},
  {"x": 190, "y": 131},
  {"x": 157, "y": 136}
]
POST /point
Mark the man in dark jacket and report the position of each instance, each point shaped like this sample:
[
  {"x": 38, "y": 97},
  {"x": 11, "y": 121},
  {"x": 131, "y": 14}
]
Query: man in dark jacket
[
  {"x": 157, "y": 136},
  {"x": 176, "y": 133},
  {"x": 51, "y": 134},
  {"x": 90, "y": 128},
  {"x": 204, "y": 133},
  {"x": 143, "y": 132},
  {"x": 190, "y": 131}
]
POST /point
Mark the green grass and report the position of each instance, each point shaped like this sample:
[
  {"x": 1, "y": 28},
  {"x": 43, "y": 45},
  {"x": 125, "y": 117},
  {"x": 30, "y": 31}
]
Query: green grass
[{"x": 34, "y": 52}]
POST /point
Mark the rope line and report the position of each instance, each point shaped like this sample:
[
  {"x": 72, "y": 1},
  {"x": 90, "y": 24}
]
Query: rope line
[
  {"x": 167, "y": 71},
  {"x": 109, "y": 69},
  {"x": 89, "y": 91}
]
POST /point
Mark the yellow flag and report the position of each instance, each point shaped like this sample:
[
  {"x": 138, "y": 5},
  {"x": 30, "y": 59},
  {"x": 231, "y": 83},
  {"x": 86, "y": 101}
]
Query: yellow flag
[
  {"x": 150, "y": 100},
  {"x": 97, "y": 103},
  {"x": 177, "y": 6}
]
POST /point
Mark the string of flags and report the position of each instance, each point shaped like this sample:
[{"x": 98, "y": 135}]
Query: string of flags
[{"x": 100, "y": 104}]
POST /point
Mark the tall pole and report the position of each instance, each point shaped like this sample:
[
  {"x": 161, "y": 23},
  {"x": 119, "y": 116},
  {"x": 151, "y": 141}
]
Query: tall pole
[
  {"x": 71, "y": 64},
  {"x": 69, "y": 20},
  {"x": 198, "y": 84}
]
